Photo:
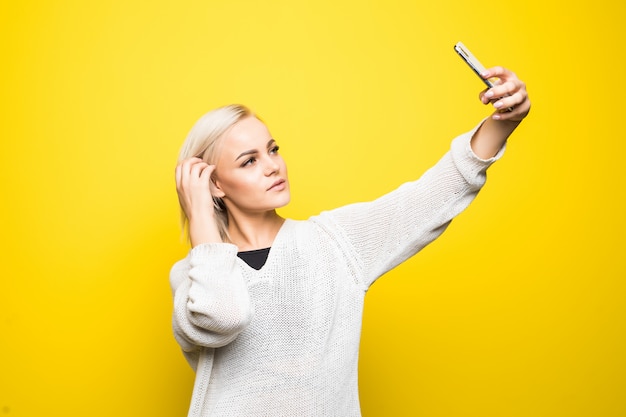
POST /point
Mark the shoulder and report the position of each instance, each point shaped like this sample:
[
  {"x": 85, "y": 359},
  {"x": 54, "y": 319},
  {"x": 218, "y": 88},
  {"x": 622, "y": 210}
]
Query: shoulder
[{"x": 316, "y": 230}]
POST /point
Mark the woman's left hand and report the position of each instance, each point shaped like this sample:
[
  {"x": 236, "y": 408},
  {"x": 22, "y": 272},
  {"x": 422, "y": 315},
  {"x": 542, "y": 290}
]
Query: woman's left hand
[{"x": 509, "y": 95}]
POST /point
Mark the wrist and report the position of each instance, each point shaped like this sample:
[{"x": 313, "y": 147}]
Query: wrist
[{"x": 203, "y": 229}]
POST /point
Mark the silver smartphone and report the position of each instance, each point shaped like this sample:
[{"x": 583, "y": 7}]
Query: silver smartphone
[
  {"x": 477, "y": 67},
  {"x": 474, "y": 64}
]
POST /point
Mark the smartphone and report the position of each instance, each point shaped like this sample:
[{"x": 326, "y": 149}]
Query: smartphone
[{"x": 474, "y": 64}]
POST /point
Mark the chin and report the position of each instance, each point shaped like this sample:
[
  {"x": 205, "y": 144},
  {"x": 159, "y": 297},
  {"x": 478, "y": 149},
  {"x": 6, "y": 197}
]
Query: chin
[{"x": 283, "y": 201}]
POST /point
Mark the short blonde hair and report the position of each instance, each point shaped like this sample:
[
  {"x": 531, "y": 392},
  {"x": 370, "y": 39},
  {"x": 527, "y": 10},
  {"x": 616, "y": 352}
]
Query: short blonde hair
[{"x": 203, "y": 141}]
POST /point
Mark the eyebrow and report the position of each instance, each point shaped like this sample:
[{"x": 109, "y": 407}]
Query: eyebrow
[{"x": 253, "y": 151}]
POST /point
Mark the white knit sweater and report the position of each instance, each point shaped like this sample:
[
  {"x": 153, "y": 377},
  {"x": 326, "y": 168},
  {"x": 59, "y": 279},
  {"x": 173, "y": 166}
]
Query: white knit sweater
[{"x": 284, "y": 340}]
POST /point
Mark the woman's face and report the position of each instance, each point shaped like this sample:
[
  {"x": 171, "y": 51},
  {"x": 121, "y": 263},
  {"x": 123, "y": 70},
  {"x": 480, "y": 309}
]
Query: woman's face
[{"x": 250, "y": 175}]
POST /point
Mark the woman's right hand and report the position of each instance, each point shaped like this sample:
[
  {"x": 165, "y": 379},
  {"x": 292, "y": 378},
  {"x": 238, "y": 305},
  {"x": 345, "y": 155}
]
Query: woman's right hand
[{"x": 195, "y": 188}]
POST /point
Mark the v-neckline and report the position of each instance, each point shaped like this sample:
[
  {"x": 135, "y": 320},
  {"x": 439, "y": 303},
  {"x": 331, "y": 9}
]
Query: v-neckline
[{"x": 272, "y": 250}]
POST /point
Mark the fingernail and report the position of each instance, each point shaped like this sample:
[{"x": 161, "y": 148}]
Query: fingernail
[
  {"x": 489, "y": 94},
  {"x": 496, "y": 117},
  {"x": 484, "y": 73},
  {"x": 497, "y": 104}
]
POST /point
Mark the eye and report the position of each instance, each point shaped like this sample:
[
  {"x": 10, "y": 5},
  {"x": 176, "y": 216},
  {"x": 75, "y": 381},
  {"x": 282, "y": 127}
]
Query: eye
[
  {"x": 274, "y": 149},
  {"x": 248, "y": 162}
]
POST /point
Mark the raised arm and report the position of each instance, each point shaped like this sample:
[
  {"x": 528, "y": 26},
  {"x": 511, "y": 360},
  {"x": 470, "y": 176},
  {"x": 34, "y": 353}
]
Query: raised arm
[
  {"x": 385, "y": 232},
  {"x": 211, "y": 301}
]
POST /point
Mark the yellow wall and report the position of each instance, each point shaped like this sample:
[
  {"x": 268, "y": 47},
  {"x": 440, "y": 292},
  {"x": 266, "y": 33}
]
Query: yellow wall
[{"x": 518, "y": 310}]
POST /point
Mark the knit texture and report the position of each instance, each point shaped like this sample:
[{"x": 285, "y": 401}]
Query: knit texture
[{"x": 284, "y": 340}]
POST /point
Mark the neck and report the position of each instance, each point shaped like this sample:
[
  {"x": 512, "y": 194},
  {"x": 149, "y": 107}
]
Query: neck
[{"x": 254, "y": 232}]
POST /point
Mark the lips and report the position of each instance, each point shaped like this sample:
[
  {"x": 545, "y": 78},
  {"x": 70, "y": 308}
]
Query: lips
[{"x": 278, "y": 185}]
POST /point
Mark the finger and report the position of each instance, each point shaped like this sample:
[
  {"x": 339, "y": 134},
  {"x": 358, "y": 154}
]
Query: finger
[
  {"x": 504, "y": 116},
  {"x": 194, "y": 184},
  {"x": 517, "y": 113},
  {"x": 183, "y": 168},
  {"x": 508, "y": 101},
  {"x": 482, "y": 96},
  {"x": 499, "y": 72},
  {"x": 509, "y": 95},
  {"x": 499, "y": 76},
  {"x": 504, "y": 89},
  {"x": 186, "y": 171},
  {"x": 200, "y": 177},
  {"x": 205, "y": 175},
  {"x": 190, "y": 161},
  {"x": 195, "y": 168}
]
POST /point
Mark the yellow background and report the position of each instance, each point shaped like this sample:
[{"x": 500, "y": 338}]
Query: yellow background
[{"x": 518, "y": 310}]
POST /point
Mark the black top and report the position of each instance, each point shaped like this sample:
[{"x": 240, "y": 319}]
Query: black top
[{"x": 255, "y": 258}]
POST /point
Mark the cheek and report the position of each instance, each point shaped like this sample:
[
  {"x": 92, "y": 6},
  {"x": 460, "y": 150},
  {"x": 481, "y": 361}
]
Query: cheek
[{"x": 240, "y": 185}]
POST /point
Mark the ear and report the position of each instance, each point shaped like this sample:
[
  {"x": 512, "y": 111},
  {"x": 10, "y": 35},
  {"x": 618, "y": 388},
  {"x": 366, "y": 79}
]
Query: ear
[{"x": 215, "y": 188}]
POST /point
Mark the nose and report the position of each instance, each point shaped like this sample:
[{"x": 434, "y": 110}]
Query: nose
[{"x": 271, "y": 167}]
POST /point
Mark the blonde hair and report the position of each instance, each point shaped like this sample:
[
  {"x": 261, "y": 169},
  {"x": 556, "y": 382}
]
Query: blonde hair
[{"x": 203, "y": 141}]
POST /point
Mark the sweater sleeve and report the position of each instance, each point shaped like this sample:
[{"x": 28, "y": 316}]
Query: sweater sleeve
[
  {"x": 385, "y": 232},
  {"x": 211, "y": 300}
]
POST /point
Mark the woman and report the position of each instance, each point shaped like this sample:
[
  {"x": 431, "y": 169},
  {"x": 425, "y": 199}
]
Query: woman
[{"x": 268, "y": 310}]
